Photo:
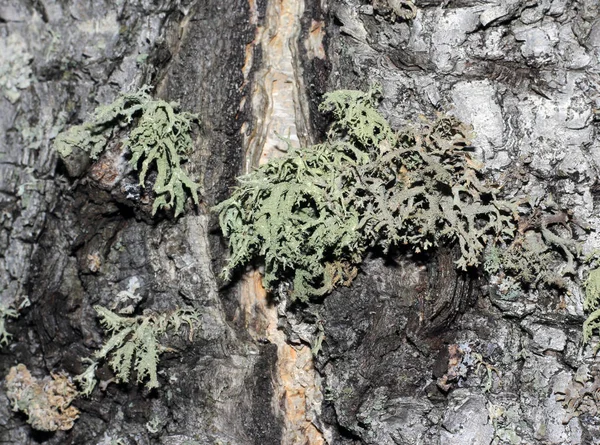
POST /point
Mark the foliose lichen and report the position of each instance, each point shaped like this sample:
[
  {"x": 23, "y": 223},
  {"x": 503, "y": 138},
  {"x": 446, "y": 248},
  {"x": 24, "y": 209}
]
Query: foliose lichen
[
  {"x": 6, "y": 312},
  {"x": 582, "y": 394},
  {"x": 462, "y": 361},
  {"x": 311, "y": 215},
  {"x": 538, "y": 255},
  {"x": 402, "y": 9},
  {"x": 133, "y": 345},
  {"x": 154, "y": 131},
  {"x": 10, "y": 310},
  {"x": 46, "y": 402},
  {"x": 591, "y": 302}
]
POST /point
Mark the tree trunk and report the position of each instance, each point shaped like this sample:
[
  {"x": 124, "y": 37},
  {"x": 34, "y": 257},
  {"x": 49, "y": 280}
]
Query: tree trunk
[{"x": 524, "y": 74}]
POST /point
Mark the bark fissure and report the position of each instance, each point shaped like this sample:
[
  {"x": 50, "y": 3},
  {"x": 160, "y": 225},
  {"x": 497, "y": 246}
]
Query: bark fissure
[{"x": 280, "y": 116}]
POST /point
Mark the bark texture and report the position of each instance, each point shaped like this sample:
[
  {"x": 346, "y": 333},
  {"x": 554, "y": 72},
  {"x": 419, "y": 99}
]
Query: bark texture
[
  {"x": 88, "y": 242},
  {"x": 524, "y": 74}
]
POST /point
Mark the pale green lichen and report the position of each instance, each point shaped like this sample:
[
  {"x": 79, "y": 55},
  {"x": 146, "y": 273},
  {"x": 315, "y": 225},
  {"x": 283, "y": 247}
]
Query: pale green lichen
[
  {"x": 311, "y": 215},
  {"x": 591, "y": 302},
  {"x": 6, "y": 312},
  {"x": 529, "y": 260},
  {"x": 158, "y": 137},
  {"x": 35, "y": 135},
  {"x": 538, "y": 255},
  {"x": 15, "y": 67},
  {"x": 505, "y": 420},
  {"x": 134, "y": 345}
]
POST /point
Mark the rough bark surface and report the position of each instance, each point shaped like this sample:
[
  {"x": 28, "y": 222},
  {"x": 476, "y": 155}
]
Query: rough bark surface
[
  {"x": 69, "y": 245},
  {"x": 524, "y": 74}
]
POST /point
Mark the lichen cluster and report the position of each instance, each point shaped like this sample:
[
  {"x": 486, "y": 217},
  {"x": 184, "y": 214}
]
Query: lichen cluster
[
  {"x": 538, "y": 255},
  {"x": 133, "y": 345},
  {"x": 396, "y": 9},
  {"x": 311, "y": 215},
  {"x": 462, "y": 361},
  {"x": 46, "y": 402},
  {"x": 15, "y": 67},
  {"x": 591, "y": 302},
  {"x": 582, "y": 394},
  {"x": 156, "y": 134},
  {"x": 6, "y": 312}
]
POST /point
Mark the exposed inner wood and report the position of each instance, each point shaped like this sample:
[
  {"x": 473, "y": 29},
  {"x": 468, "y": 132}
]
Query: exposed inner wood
[
  {"x": 278, "y": 96},
  {"x": 280, "y": 118}
]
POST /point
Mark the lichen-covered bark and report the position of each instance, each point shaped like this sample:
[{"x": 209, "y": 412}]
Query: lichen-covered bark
[
  {"x": 71, "y": 243},
  {"x": 524, "y": 74}
]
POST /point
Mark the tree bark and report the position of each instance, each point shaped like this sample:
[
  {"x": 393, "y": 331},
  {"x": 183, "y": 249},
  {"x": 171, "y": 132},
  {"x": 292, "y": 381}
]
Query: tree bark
[{"x": 524, "y": 74}]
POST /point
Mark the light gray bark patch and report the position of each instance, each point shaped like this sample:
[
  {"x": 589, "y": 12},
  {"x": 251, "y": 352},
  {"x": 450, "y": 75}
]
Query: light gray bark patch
[{"x": 466, "y": 420}]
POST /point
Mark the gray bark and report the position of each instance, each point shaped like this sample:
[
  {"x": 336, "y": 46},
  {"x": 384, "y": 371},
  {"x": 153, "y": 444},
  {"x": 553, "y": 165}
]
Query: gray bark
[{"x": 524, "y": 74}]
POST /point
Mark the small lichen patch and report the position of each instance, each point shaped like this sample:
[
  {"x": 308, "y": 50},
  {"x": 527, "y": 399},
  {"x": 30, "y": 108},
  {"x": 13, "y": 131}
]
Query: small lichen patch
[
  {"x": 133, "y": 345},
  {"x": 462, "y": 360},
  {"x": 10, "y": 310},
  {"x": 591, "y": 303},
  {"x": 582, "y": 394},
  {"x": 6, "y": 312},
  {"x": 538, "y": 255},
  {"x": 46, "y": 402},
  {"x": 15, "y": 69},
  {"x": 396, "y": 9},
  {"x": 157, "y": 135}
]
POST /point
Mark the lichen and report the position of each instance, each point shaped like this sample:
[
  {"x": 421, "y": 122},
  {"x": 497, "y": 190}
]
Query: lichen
[
  {"x": 582, "y": 394},
  {"x": 591, "y": 302},
  {"x": 107, "y": 439},
  {"x": 46, "y": 402},
  {"x": 403, "y": 9},
  {"x": 462, "y": 360},
  {"x": 539, "y": 255},
  {"x": 15, "y": 69},
  {"x": 505, "y": 419},
  {"x": 6, "y": 312},
  {"x": 158, "y": 136},
  {"x": 311, "y": 215},
  {"x": 134, "y": 345},
  {"x": 10, "y": 310}
]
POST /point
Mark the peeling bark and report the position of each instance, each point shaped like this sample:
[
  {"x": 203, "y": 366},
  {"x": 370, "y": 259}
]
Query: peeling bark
[{"x": 525, "y": 75}]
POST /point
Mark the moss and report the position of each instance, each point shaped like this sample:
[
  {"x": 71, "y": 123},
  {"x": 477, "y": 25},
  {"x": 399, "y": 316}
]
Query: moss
[
  {"x": 157, "y": 135},
  {"x": 311, "y": 215}
]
